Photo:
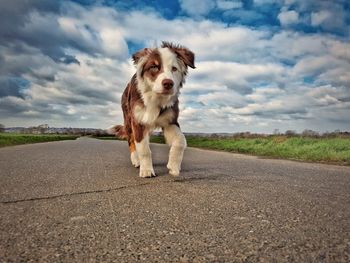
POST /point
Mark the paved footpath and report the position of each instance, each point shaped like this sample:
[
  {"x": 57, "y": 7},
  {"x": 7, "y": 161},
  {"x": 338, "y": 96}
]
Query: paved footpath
[{"x": 81, "y": 201}]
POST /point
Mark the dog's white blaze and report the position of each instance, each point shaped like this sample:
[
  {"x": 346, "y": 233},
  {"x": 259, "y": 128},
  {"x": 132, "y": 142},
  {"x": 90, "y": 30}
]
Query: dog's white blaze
[{"x": 169, "y": 60}]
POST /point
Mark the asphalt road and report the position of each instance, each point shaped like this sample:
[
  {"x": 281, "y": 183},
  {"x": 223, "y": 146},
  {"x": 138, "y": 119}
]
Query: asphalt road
[{"x": 82, "y": 201}]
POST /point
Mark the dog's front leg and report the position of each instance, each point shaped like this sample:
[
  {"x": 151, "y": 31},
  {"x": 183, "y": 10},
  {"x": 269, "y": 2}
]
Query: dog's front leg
[
  {"x": 145, "y": 157},
  {"x": 177, "y": 142}
]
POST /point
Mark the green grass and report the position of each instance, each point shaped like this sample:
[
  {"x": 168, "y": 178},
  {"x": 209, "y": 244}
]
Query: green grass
[
  {"x": 329, "y": 150},
  {"x": 8, "y": 139},
  {"x": 326, "y": 150}
]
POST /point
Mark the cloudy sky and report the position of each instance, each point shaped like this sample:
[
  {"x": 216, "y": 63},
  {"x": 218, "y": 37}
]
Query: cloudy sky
[{"x": 261, "y": 64}]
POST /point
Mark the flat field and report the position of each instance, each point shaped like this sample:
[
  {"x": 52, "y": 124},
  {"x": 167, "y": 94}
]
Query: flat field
[
  {"x": 327, "y": 150},
  {"x": 8, "y": 139}
]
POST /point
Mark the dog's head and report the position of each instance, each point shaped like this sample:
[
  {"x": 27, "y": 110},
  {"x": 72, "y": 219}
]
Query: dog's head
[{"x": 163, "y": 70}]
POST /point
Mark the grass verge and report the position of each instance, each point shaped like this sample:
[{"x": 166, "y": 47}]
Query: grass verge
[
  {"x": 8, "y": 139},
  {"x": 324, "y": 150}
]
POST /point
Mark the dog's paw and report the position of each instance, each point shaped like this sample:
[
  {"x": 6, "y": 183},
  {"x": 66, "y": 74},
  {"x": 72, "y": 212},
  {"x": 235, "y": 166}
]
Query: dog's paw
[
  {"x": 173, "y": 169},
  {"x": 135, "y": 159},
  {"x": 146, "y": 173}
]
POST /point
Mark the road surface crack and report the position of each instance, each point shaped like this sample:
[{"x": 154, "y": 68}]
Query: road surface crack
[{"x": 72, "y": 194}]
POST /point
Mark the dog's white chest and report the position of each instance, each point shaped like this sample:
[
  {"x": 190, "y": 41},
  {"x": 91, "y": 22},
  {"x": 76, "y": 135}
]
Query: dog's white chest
[
  {"x": 146, "y": 115},
  {"x": 151, "y": 116}
]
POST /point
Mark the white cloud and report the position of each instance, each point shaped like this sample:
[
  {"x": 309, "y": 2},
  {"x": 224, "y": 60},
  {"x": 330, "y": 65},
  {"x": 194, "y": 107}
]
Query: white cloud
[
  {"x": 340, "y": 49},
  {"x": 236, "y": 76},
  {"x": 98, "y": 28},
  {"x": 315, "y": 65},
  {"x": 220, "y": 43},
  {"x": 113, "y": 42},
  {"x": 197, "y": 8},
  {"x": 263, "y": 2},
  {"x": 330, "y": 16},
  {"x": 293, "y": 45},
  {"x": 222, "y": 98},
  {"x": 264, "y": 93},
  {"x": 288, "y": 17},
  {"x": 227, "y": 5},
  {"x": 318, "y": 18},
  {"x": 209, "y": 40}
]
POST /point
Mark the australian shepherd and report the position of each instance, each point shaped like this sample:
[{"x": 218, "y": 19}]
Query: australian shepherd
[{"x": 150, "y": 101}]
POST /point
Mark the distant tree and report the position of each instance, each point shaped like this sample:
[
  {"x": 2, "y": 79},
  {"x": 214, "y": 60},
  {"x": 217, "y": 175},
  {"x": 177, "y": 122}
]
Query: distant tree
[
  {"x": 290, "y": 133},
  {"x": 214, "y": 135},
  {"x": 30, "y": 130},
  {"x": 310, "y": 133},
  {"x": 41, "y": 129},
  {"x": 336, "y": 132},
  {"x": 2, "y": 127},
  {"x": 246, "y": 134},
  {"x": 96, "y": 133}
]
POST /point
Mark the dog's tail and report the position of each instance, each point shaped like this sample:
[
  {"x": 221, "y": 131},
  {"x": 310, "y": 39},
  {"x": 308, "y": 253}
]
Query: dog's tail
[{"x": 118, "y": 130}]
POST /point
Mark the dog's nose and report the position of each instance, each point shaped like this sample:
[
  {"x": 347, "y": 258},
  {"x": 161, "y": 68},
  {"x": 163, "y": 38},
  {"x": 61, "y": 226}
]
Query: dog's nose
[{"x": 167, "y": 84}]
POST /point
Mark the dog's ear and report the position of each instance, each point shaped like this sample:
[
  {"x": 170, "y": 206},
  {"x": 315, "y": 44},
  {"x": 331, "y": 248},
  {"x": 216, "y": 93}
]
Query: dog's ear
[
  {"x": 141, "y": 53},
  {"x": 186, "y": 55}
]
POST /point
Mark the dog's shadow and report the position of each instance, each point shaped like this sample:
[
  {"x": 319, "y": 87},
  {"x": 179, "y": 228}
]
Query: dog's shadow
[
  {"x": 187, "y": 174},
  {"x": 160, "y": 169}
]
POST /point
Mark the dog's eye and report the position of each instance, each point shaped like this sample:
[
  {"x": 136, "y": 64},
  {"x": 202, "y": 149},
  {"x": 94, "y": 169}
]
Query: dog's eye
[
  {"x": 174, "y": 69},
  {"x": 154, "y": 68}
]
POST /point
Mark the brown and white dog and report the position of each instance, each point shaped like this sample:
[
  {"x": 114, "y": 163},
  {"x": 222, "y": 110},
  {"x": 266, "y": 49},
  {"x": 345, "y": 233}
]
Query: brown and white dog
[{"x": 150, "y": 101}]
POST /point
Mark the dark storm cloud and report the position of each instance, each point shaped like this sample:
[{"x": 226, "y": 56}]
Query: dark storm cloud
[
  {"x": 295, "y": 113},
  {"x": 11, "y": 106},
  {"x": 33, "y": 46},
  {"x": 282, "y": 114},
  {"x": 12, "y": 87},
  {"x": 70, "y": 59},
  {"x": 14, "y": 13},
  {"x": 14, "y": 107},
  {"x": 93, "y": 97},
  {"x": 14, "y": 17},
  {"x": 84, "y": 91},
  {"x": 34, "y": 24}
]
